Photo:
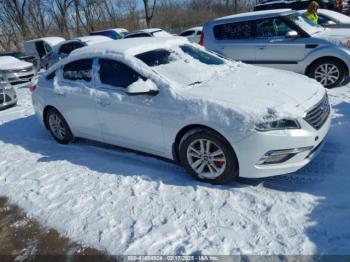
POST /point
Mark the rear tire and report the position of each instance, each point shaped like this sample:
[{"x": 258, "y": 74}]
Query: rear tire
[
  {"x": 58, "y": 127},
  {"x": 208, "y": 157},
  {"x": 329, "y": 72}
]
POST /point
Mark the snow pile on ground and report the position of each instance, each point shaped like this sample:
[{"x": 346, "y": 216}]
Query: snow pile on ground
[{"x": 126, "y": 203}]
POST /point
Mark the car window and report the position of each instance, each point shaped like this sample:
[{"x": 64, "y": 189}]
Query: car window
[
  {"x": 156, "y": 57},
  {"x": 231, "y": 31},
  {"x": 187, "y": 33},
  {"x": 322, "y": 19},
  {"x": 272, "y": 27},
  {"x": 199, "y": 32},
  {"x": 117, "y": 74},
  {"x": 78, "y": 70},
  {"x": 203, "y": 57},
  {"x": 138, "y": 35},
  {"x": 69, "y": 47}
]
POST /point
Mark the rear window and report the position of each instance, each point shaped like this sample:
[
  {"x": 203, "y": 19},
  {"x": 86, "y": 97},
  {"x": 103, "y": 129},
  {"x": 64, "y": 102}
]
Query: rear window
[
  {"x": 233, "y": 31},
  {"x": 78, "y": 70},
  {"x": 155, "y": 57},
  {"x": 187, "y": 33}
]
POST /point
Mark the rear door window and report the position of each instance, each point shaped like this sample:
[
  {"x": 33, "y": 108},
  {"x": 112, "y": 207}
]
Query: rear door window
[
  {"x": 234, "y": 31},
  {"x": 116, "y": 74},
  {"x": 78, "y": 70},
  {"x": 187, "y": 33}
]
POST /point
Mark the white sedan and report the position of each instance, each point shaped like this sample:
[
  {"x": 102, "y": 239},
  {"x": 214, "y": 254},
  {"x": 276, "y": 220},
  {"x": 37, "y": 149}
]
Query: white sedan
[{"x": 220, "y": 119}]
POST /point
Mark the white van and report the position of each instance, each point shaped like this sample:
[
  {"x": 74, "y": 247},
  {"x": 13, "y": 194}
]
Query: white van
[{"x": 41, "y": 46}]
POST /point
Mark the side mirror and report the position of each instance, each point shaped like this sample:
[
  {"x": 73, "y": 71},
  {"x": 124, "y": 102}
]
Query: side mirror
[
  {"x": 292, "y": 34},
  {"x": 141, "y": 87},
  {"x": 329, "y": 23}
]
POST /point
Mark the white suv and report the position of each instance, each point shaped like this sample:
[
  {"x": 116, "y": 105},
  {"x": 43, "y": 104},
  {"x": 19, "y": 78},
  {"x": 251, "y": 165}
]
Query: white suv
[{"x": 282, "y": 39}]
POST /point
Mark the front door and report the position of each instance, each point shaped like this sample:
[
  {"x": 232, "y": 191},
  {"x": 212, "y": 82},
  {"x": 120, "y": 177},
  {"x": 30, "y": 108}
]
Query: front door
[
  {"x": 274, "y": 49},
  {"x": 129, "y": 121}
]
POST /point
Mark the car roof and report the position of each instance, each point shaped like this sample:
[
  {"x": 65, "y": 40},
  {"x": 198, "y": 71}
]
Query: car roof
[
  {"x": 118, "y": 30},
  {"x": 52, "y": 40},
  {"x": 129, "y": 46},
  {"x": 92, "y": 39},
  {"x": 151, "y": 30},
  {"x": 255, "y": 15},
  {"x": 196, "y": 28}
]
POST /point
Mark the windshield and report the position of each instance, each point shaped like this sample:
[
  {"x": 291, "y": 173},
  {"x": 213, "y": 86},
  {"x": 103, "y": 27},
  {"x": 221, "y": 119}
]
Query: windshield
[
  {"x": 185, "y": 64},
  {"x": 305, "y": 24}
]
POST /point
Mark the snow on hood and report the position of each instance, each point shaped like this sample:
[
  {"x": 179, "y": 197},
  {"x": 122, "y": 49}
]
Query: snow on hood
[
  {"x": 255, "y": 92},
  {"x": 9, "y": 63}
]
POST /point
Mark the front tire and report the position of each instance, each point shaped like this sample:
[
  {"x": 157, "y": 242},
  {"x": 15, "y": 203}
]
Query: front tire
[
  {"x": 329, "y": 72},
  {"x": 58, "y": 127},
  {"x": 208, "y": 157}
]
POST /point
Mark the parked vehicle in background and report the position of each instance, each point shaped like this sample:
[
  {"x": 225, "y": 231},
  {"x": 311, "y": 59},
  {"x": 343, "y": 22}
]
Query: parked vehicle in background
[
  {"x": 114, "y": 33},
  {"x": 63, "y": 49},
  {"x": 173, "y": 99},
  {"x": 331, "y": 19},
  {"x": 8, "y": 95},
  {"x": 193, "y": 34},
  {"x": 41, "y": 46},
  {"x": 149, "y": 32},
  {"x": 336, "y": 5},
  {"x": 22, "y": 56},
  {"x": 282, "y": 39},
  {"x": 15, "y": 71}
]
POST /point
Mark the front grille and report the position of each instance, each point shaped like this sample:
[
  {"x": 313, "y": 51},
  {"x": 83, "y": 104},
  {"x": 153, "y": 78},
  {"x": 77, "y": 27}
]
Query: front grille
[
  {"x": 26, "y": 77},
  {"x": 24, "y": 70},
  {"x": 4, "y": 98},
  {"x": 318, "y": 115}
]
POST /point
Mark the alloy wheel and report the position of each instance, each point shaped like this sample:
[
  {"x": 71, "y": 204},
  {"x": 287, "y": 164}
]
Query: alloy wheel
[
  {"x": 206, "y": 158},
  {"x": 56, "y": 126},
  {"x": 327, "y": 74}
]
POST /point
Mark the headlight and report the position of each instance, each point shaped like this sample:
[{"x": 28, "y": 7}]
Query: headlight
[{"x": 277, "y": 125}]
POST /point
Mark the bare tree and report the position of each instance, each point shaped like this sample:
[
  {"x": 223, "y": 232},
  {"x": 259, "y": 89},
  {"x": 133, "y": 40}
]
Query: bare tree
[{"x": 149, "y": 11}]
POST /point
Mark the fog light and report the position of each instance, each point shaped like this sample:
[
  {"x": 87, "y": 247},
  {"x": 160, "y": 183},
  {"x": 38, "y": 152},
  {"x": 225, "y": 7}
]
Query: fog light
[{"x": 280, "y": 156}]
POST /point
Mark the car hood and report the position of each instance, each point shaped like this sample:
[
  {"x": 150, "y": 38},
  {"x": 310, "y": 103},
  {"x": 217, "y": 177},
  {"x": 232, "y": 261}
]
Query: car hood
[
  {"x": 13, "y": 65},
  {"x": 335, "y": 35},
  {"x": 260, "y": 91}
]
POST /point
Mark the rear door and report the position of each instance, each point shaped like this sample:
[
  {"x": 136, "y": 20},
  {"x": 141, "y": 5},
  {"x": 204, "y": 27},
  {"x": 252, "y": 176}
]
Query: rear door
[
  {"x": 235, "y": 41},
  {"x": 74, "y": 92}
]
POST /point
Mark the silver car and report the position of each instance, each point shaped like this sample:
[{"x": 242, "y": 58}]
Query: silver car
[
  {"x": 8, "y": 95},
  {"x": 282, "y": 39}
]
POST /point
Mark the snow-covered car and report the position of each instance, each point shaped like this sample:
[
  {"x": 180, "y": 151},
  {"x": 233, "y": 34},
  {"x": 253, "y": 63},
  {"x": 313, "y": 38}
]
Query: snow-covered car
[
  {"x": 193, "y": 34},
  {"x": 149, "y": 32},
  {"x": 114, "y": 33},
  {"x": 63, "y": 49},
  {"x": 220, "y": 119},
  {"x": 282, "y": 39},
  {"x": 14, "y": 70},
  {"x": 22, "y": 56},
  {"x": 8, "y": 95}
]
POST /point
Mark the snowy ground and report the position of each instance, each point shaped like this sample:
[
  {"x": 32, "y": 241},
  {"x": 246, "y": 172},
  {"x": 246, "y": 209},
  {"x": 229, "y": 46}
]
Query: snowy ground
[{"x": 125, "y": 203}]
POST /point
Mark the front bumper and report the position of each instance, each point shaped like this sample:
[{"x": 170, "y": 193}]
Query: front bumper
[
  {"x": 7, "y": 98},
  {"x": 253, "y": 148},
  {"x": 20, "y": 77}
]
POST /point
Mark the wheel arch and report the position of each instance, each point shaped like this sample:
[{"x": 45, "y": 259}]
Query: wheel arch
[
  {"x": 308, "y": 68},
  {"x": 183, "y": 131}
]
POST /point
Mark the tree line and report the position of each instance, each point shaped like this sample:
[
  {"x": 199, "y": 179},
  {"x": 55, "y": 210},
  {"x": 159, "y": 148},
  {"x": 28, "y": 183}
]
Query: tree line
[{"x": 22, "y": 20}]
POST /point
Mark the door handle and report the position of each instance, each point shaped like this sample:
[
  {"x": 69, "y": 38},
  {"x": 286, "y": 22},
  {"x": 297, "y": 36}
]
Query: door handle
[
  {"x": 262, "y": 47},
  {"x": 60, "y": 93}
]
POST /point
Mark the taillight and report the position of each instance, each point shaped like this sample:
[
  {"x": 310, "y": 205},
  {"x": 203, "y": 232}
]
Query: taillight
[
  {"x": 32, "y": 87},
  {"x": 201, "y": 40}
]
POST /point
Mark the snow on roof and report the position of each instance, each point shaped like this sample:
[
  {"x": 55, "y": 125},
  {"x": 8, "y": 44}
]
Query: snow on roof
[
  {"x": 10, "y": 62},
  {"x": 196, "y": 28},
  {"x": 118, "y": 30},
  {"x": 51, "y": 40},
  {"x": 339, "y": 17},
  {"x": 151, "y": 30},
  {"x": 93, "y": 39},
  {"x": 264, "y": 13},
  {"x": 130, "y": 46}
]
